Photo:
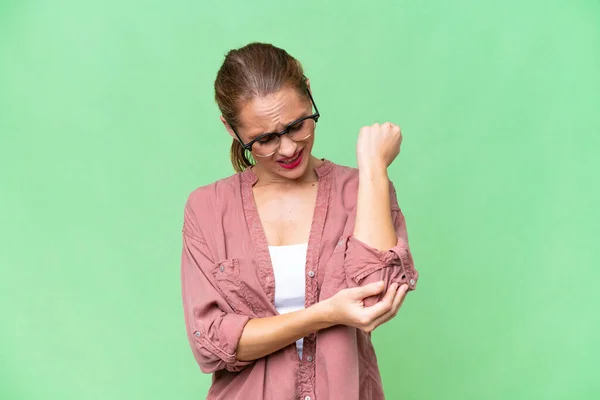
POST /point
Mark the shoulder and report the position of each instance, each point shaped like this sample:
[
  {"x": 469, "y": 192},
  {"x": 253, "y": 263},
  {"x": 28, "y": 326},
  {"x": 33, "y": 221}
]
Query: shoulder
[
  {"x": 205, "y": 203},
  {"x": 213, "y": 193},
  {"x": 344, "y": 172},
  {"x": 344, "y": 178}
]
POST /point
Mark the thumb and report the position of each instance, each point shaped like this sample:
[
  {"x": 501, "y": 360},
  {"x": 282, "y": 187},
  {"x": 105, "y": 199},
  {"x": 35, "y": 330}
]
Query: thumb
[{"x": 370, "y": 290}]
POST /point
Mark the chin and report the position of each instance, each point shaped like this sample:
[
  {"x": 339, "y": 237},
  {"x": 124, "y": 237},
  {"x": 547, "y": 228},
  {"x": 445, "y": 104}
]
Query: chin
[{"x": 297, "y": 173}]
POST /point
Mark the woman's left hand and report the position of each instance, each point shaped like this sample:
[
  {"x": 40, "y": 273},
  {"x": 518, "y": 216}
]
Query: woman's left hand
[{"x": 378, "y": 145}]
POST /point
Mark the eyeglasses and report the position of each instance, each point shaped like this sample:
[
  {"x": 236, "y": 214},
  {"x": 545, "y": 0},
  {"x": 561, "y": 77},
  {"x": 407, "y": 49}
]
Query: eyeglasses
[{"x": 267, "y": 144}]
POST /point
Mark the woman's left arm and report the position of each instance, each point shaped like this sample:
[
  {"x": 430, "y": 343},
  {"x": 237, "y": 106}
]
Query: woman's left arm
[{"x": 378, "y": 248}]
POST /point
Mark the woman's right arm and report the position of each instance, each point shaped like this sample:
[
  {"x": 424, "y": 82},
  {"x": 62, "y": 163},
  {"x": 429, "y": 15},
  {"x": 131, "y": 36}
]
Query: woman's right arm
[
  {"x": 263, "y": 336},
  {"x": 213, "y": 329}
]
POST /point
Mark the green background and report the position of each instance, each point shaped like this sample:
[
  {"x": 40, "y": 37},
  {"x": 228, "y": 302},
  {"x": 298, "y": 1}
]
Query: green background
[{"x": 107, "y": 122}]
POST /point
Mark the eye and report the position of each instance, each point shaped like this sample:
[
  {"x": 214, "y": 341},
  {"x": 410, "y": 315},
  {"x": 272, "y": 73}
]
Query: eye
[
  {"x": 266, "y": 139},
  {"x": 297, "y": 126}
]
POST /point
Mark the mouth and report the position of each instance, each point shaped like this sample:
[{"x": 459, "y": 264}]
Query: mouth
[{"x": 291, "y": 163}]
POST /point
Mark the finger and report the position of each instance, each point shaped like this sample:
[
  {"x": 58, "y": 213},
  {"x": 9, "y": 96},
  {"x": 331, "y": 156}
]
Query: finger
[
  {"x": 397, "y": 303},
  {"x": 362, "y": 292},
  {"x": 383, "y": 306},
  {"x": 388, "y": 299},
  {"x": 400, "y": 296},
  {"x": 399, "y": 299}
]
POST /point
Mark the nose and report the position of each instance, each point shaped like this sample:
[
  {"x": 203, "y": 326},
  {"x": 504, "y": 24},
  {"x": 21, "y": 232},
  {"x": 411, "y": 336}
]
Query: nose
[{"x": 287, "y": 147}]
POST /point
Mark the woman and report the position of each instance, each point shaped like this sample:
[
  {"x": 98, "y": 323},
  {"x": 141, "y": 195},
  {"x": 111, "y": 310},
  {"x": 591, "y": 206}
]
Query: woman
[{"x": 289, "y": 264}]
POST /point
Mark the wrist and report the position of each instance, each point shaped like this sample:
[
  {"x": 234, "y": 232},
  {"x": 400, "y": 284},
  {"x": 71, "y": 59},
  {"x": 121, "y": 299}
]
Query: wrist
[
  {"x": 324, "y": 314},
  {"x": 376, "y": 176},
  {"x": 372, "y": 170}
]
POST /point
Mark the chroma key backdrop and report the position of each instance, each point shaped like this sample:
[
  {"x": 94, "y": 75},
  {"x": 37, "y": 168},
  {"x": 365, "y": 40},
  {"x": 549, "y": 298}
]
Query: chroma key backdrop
[{"x": 108, "y": 122}]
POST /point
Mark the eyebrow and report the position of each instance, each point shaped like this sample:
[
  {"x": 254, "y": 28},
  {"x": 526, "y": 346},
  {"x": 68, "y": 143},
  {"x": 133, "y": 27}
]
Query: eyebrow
[{"x": 285, "y": 126}]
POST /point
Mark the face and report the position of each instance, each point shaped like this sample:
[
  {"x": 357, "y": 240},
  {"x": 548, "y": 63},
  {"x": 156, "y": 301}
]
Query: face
[{"x": 273, "y": 113}]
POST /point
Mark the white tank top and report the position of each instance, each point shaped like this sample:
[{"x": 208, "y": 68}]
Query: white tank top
[{"x": 289, "y": 266}]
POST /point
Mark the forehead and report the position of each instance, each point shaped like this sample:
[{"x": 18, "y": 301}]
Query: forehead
[{"x": 272, "y": 112}]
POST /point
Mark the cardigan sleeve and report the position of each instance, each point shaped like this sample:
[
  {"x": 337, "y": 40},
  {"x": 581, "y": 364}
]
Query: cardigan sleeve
[
  {"x": 213, "y": 328},
  {"x": 364, "y": 264}
]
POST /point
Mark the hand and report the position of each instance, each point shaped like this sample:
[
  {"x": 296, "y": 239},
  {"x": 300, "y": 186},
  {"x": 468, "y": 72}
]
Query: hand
[
  {"x": 346, "y": 307},
  {"x": 378, "y": 145}
]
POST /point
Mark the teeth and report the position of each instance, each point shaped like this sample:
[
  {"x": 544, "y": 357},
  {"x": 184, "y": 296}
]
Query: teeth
[{"x": 291, "y": 161}]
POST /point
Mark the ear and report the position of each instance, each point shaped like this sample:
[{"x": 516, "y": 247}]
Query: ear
[
  {"x": 228, "y": 127},
  {"x": 308, "y": 86}
]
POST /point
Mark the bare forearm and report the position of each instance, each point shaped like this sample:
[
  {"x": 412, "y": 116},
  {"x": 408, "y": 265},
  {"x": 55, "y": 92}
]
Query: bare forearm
[
  {"x": 263, "y": 336},
  {"x": 374, "y": 225}
]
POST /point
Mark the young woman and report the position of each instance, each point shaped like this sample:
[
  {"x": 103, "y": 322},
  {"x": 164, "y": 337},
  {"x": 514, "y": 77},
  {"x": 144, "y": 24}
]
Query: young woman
[{"x": 288, "y": 265}]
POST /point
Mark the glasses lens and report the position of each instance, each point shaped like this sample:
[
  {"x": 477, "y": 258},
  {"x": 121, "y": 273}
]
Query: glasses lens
[
  {"x": 269, "y": 144},
  {"x": 301, "y": 130},
  {"x": 265, "y": 146}
]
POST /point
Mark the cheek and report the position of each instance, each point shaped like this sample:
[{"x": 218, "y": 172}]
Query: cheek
[
  {"x": 310, "y": 142},
  {"x": 267, "y": 163}
]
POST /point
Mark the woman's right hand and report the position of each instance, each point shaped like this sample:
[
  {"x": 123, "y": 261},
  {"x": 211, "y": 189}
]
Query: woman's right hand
[
  {"x": 346, "y": 307},
  {"x": 263, "y": 336}
]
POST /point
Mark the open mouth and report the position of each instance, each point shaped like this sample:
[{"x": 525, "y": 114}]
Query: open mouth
[{"x": 292, "y": 162}]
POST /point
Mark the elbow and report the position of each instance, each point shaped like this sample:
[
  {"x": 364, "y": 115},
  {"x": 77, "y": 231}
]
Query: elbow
[
  {"x": 209, "y": 362},
  {"x": 364, "y": 264},
  {"x": 362, "y": 261},
  {"x": 214, "y": 348},
  {"x": 208, "y": 366},
  {"x": 206, "y": 360}
]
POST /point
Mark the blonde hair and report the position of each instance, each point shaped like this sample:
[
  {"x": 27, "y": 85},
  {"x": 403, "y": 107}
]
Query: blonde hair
[{"x": 255, "y": 70}]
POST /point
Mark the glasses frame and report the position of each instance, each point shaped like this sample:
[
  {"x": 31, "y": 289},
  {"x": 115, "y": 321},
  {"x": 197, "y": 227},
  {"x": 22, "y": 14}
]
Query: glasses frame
[{"x": 248, "y": 146}]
